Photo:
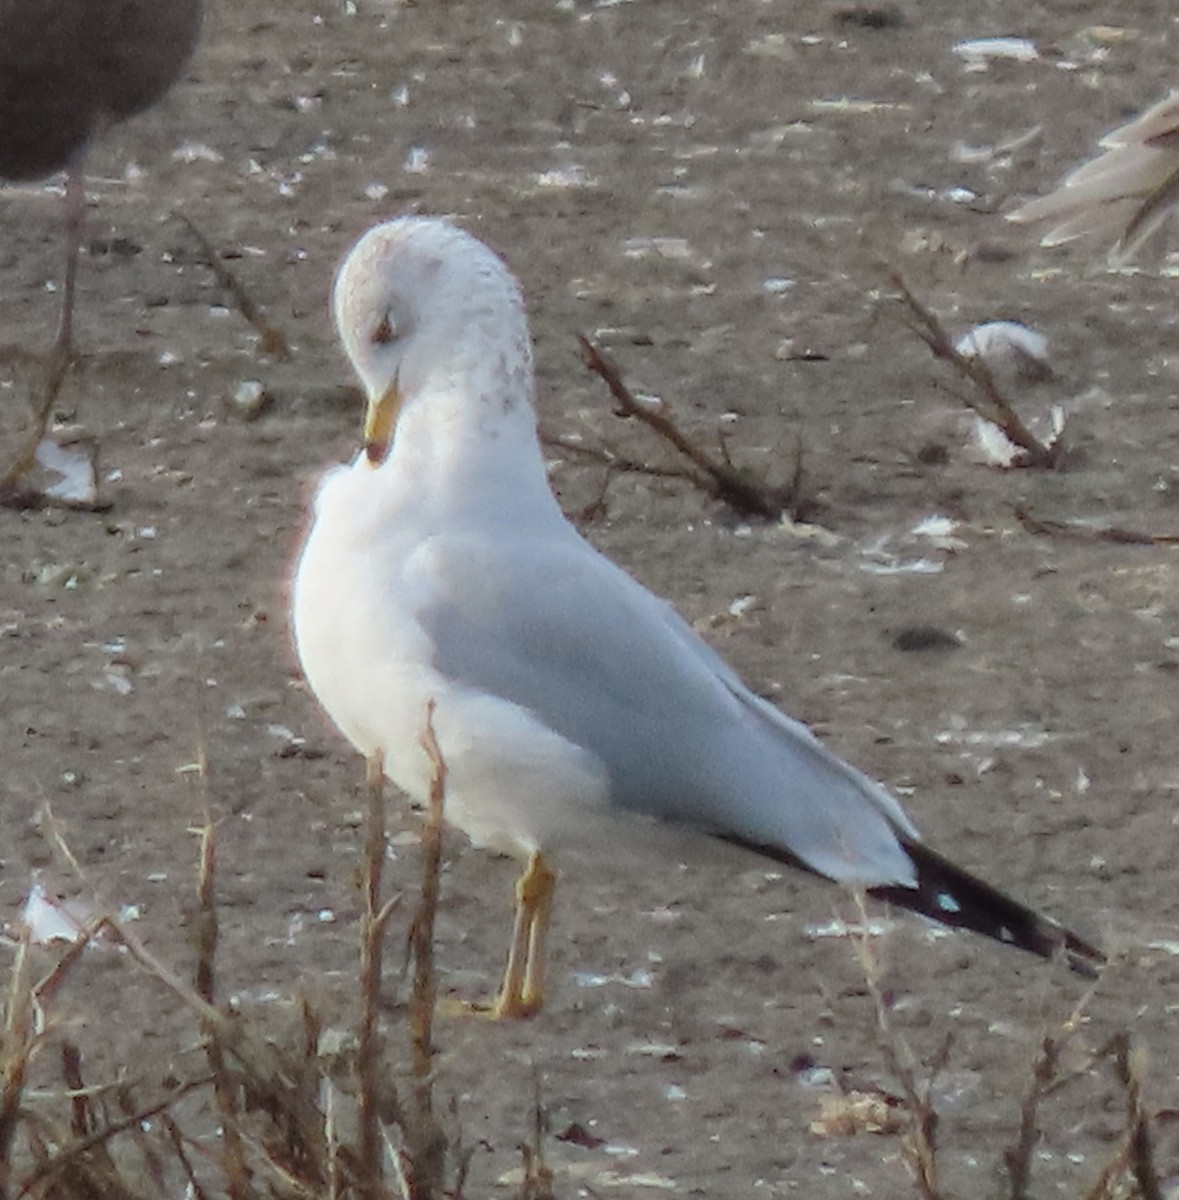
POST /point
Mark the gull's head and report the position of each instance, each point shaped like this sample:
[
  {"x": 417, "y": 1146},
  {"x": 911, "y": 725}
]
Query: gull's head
[{"x": 428, "y": 312}]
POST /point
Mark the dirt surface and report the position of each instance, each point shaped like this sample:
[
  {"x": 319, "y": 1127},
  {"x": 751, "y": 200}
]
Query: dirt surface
[{"x": 710, "y": 189}]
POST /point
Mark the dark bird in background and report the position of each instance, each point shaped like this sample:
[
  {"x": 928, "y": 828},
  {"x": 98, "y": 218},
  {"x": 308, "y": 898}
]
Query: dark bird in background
[{"x": 68, "y": 70}]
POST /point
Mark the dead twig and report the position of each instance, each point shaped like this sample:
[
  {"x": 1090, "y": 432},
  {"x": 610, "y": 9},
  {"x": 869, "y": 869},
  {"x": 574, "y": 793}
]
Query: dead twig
[
  {"x": 20, "y": 1042},
  {"x": 615, "y": 461},
  {"x": 716, "y": 476},
  {"x": 234, "y": 1161},
  {"x": 537, "y": 1181},
  {"x": 65, "y": 1156},
  {"x": 271, "y": 341},
  {"x": 269, "y": 1078},
  {"x": 176, "y": 1140},
  {"x": 1091, "y": 533},
  {"x": 428, "y": 1140},
  {"x": 985, "y": 398},
  {"x": 370, "y": 1045},
  {"x": 920, "y": 1144},
  {"x": 1130, "y": 1066},
  {"x": 1045, "y": 1080}
]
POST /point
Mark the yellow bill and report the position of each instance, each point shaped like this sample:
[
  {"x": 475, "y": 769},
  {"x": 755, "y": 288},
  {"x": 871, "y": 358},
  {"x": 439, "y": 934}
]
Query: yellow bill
[{"x": 380, "y": 421}]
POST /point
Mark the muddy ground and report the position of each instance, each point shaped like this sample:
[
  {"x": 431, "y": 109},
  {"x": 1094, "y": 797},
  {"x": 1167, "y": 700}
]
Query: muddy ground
[{"x": 711, "y": 190}]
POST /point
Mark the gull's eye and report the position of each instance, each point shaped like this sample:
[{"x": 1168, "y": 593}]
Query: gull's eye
[{"x": 384, "y": 332}]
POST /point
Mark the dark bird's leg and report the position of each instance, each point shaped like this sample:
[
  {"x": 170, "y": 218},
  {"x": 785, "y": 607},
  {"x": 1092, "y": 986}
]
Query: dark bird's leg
[{"x": 62, "y": 353}]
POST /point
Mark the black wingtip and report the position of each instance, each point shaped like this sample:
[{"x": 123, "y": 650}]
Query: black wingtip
[{"x": 951, "y": 896}]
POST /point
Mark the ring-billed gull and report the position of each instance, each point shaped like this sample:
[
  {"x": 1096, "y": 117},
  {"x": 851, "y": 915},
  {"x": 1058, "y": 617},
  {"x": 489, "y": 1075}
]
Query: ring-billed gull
[
  {"x": 439, "y": 568},
  {"x": 68, "y": 69}
]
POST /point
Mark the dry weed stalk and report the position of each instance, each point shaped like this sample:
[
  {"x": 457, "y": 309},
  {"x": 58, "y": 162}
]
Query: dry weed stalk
[
  {"x": 58, "y": 1154},
  {"x": 1131, "y": 1069},
  {"x": 370, "y": 1067},
  {"x": 429, "y": 1142},
  {"x": 718, "y": 477},
  {"x": 919, "y": 1146},
  {"x": 537, "y": 1181},
  {"x": 1046, "y": 1080},
  {"x": 279, "y": 1132},
  {"x": 235, "y": 1164},
  {"x": 1135, "y": 1156},
  {"x": 984, "y": 397},
  {"x": 271, "y": 341},
  {"x": 421, "y": 1162},
  {"x": 249, "y": 1073},
  {"x": 1114, "y": 534},
  {"x": 615, "y": 462},
  {"x": 20, "y": 1044}
]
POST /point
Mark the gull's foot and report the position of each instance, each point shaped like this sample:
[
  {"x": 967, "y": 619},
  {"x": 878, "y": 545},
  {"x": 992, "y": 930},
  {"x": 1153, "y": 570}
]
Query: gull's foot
[{"x": 503, "y": 1008}]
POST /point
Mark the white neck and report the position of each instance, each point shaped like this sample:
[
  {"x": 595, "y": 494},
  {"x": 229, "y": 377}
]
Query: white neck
[{"x": 472, "y": 457}]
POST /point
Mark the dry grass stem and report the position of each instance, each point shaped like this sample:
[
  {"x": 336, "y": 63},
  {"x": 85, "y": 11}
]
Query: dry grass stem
[
  {"x": 1046, "y": 1080},
  {"x": 20, "y": 1043},
  {"x": 1130, "y": 1066},
  {"x": 48, "y": 987},
  {"x": 425, "y": 987},
  {"x": 428, "y": 1140},
  {"x": 1018, "y": 1157},
  {"x": 1092, "y": 533},
  {"x": 616, "y": 460},
  {"x": 919, "y": 1147},
  {"x": 716, "y": 476},
  {"x": 276, "y": 1116},
  {"x": 985, "y": 397},
  {"x": 271, "y": 341},
  {"x": 421, "y": 1162},
  {"x": 176, "y": 1141},
  {"x": 1130, "y": 1172},
  {"x": 537, "y": 1180},
  {"x": 234, "y": 1161},
  {"x": 370, "y": 1046},
  {"x": 67, "y": 1154}
]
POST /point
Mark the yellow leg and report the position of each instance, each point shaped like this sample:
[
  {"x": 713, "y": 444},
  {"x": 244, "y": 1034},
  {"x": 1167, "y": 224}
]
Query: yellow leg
[
  {"x": 538, "y": 935},
  {"x": 521, "y": 994}
]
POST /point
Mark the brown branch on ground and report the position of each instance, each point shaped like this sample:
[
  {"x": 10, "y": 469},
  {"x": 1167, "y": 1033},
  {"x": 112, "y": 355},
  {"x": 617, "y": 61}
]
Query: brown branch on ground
[
  {"x": 985, "y": 397},
  {"x": 1091, "y": 533},
  {"x": 271, "y": 341},
  {"x": 716, "y": 476},
  {"x": 615, "y": 460},
  {"x": 615, "y": 463}
]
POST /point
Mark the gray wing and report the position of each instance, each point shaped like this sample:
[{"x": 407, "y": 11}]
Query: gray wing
[{"x": 555, "y": 627}]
